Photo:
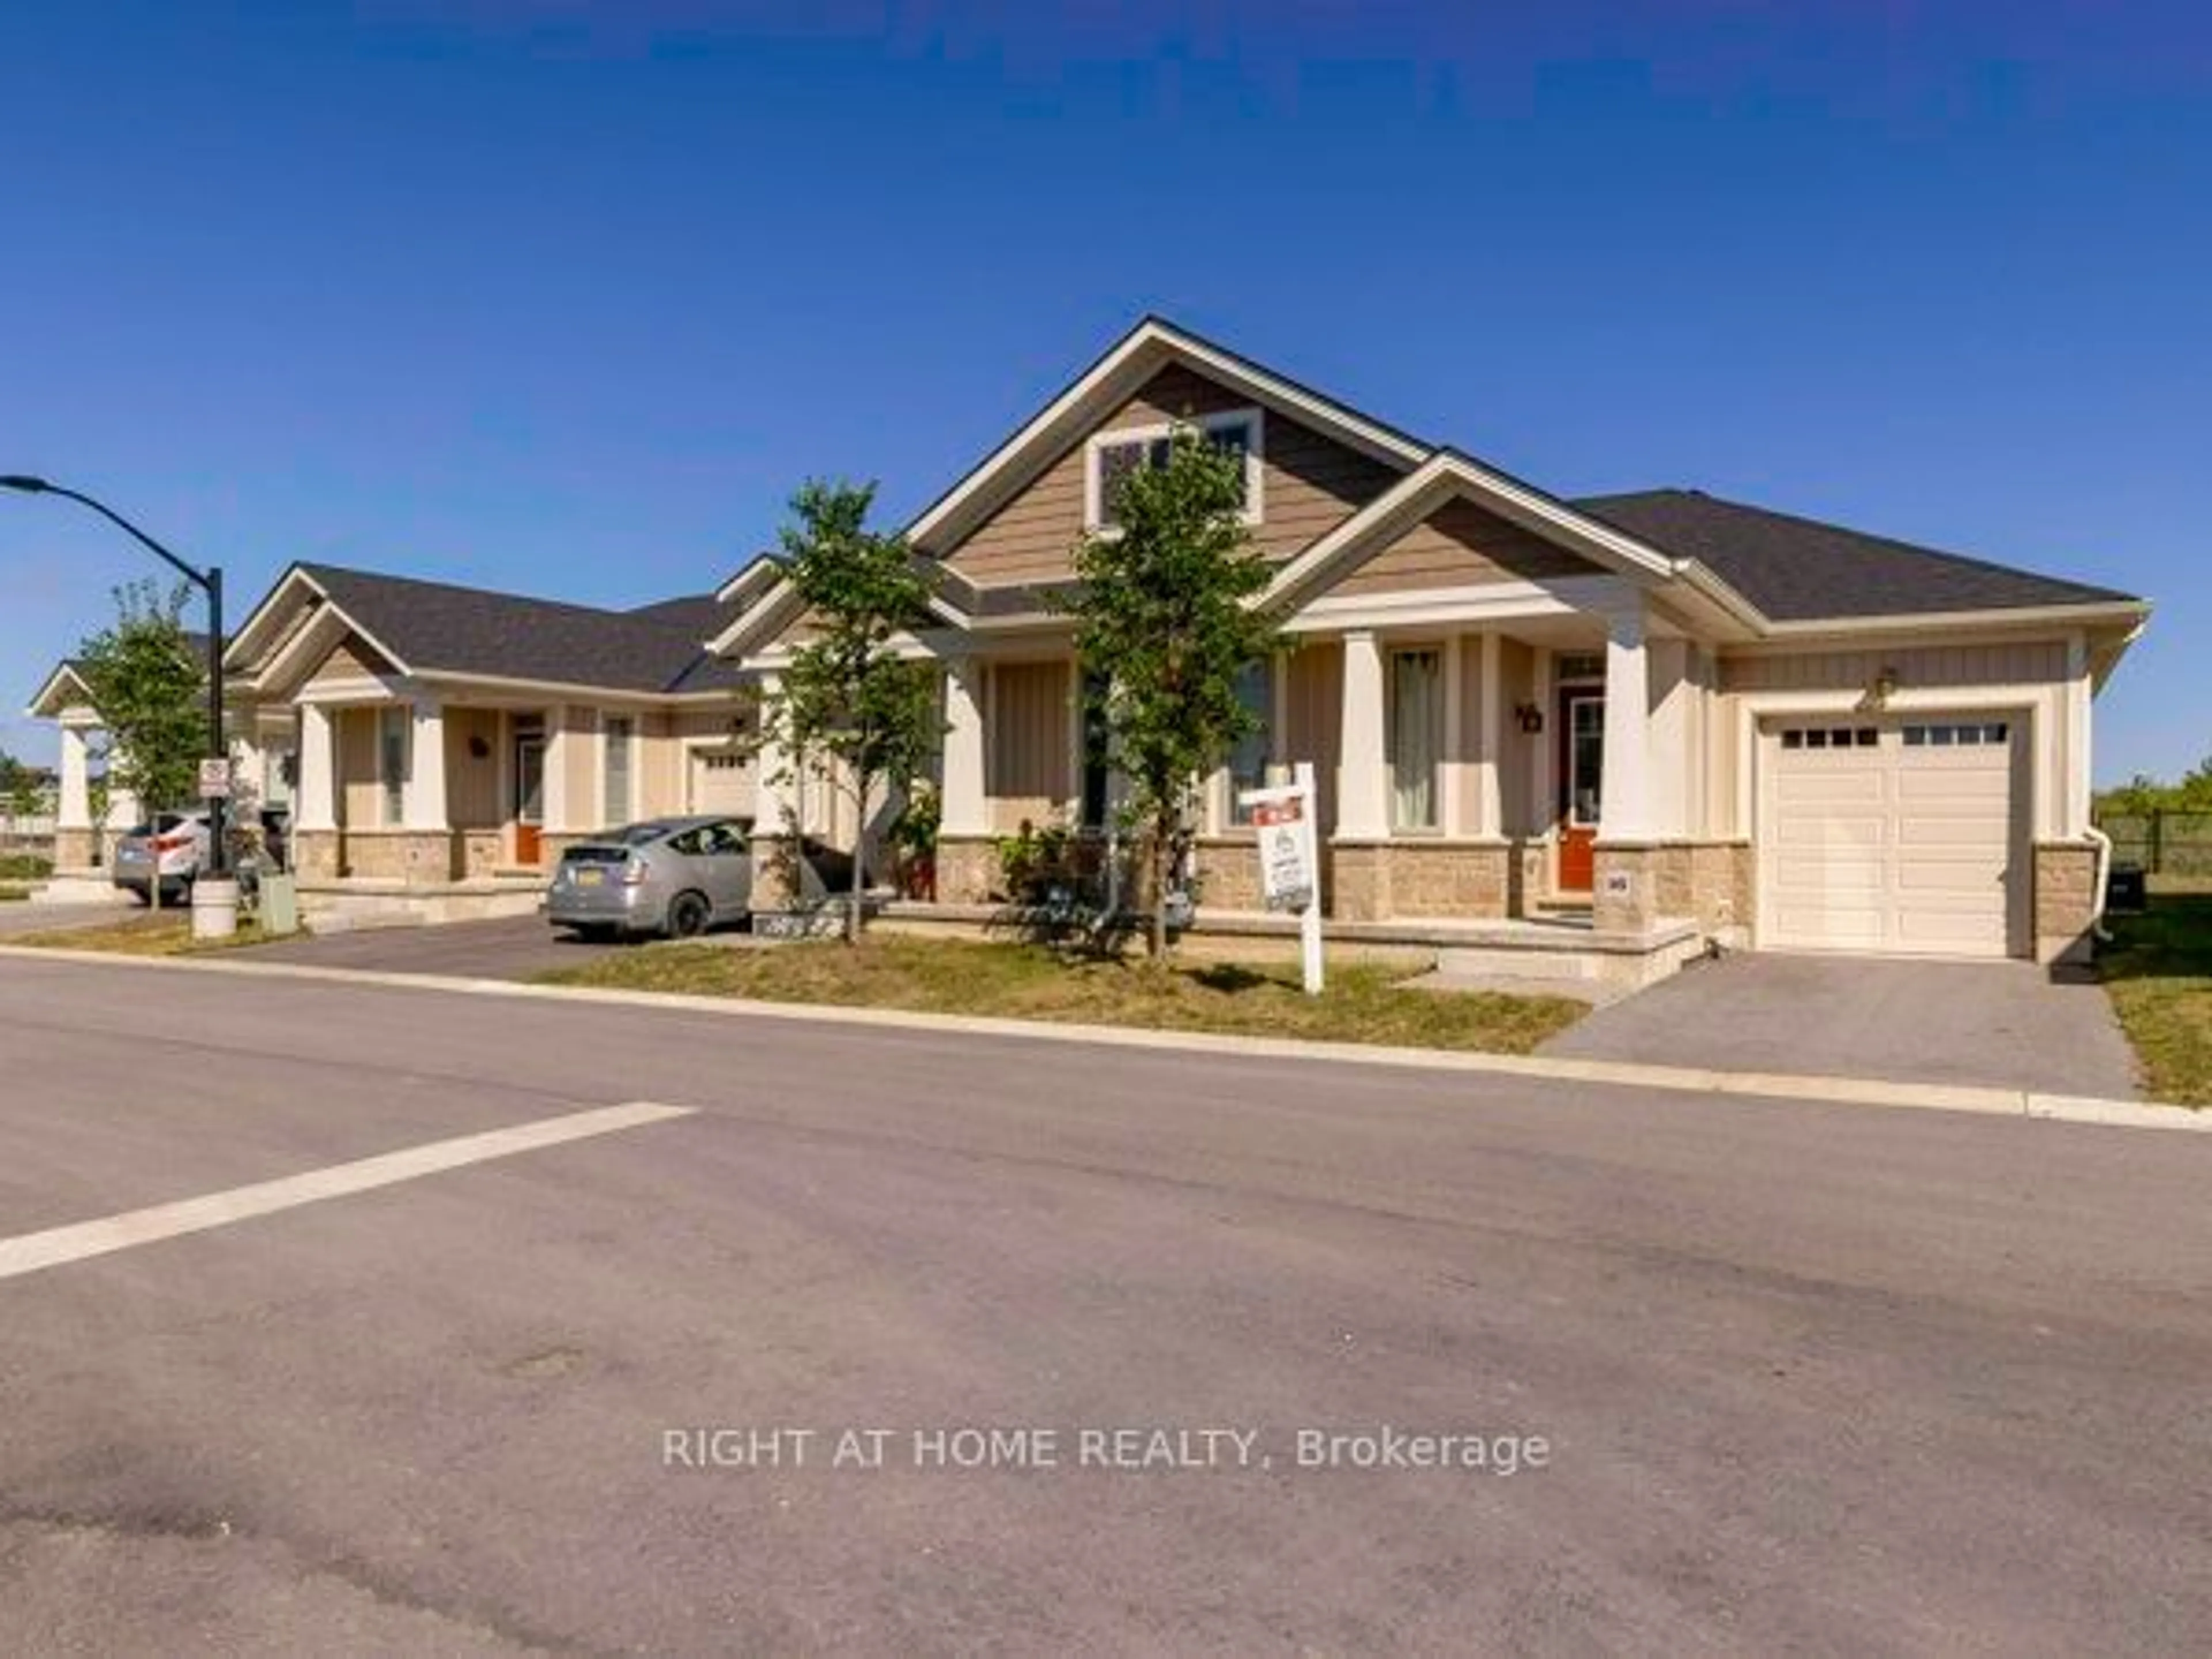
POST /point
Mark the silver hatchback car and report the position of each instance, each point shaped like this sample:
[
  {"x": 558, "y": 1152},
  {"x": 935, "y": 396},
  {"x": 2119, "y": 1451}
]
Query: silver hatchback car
[{"x": 673, "y": 875}]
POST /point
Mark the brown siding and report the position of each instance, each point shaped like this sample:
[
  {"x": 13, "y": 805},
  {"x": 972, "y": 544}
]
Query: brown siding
[
  {"x": 352, "y": 658},
  {"x": 1311, "y": 483},
  {"x": 2036, "y": 663},
  {"x": 1312, "y": 720},
  {"x": 472, "y": 781},
  {"x": 1461, "y": 545},
  {"x": 361, "y": 795},
  {"x": 1027, "y": 758}
]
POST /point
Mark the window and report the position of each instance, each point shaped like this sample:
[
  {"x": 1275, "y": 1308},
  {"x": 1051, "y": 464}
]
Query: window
[
  {"x": 1248, "y": 761},
  {"x": 391, "y": 762},
  {"x": 620, "y": 731},
  {"x": 1416, "y": 737},
  {"x": 1115, "y": 455},
  {"x": 1972, "y": 735},
  {"x": 1585, "y": 759},
  {"x": 1831, "y": 737}
]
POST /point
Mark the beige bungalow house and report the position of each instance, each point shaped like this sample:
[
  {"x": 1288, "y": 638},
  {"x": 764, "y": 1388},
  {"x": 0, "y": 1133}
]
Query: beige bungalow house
[
  {"x": 1614, "y": 728},
  {"x": 446, "y": 742}
]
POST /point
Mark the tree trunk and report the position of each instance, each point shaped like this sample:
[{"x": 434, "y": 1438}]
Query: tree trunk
[
  {"x": 860, "y": 845},
  {"x": 1156, "y": 941}
]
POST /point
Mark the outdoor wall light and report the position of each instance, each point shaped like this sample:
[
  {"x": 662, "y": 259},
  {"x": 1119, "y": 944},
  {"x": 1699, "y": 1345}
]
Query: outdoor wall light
[
  {"x": 1530, "y": 716},
  {"x": 478, "y": 749},
  {"x": 1879, "y": 692}
]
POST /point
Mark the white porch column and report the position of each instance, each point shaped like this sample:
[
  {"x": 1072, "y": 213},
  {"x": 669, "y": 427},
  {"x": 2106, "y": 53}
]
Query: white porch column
[
  {"x": 1489, "y": 775},
  {"x": 315, "y": 804},
  {"x": 422, "y": 797},
  {"x": 1625, "y": 810},
  {"x": 560, "y": 737},
  {"x": 73, "y": 811},
  {"x": 1672, "y": 750},
  {"x": 966, "y": 810},
  {"x": 1458, "y": 766},
  {"x": 1363, "y": 788},
  {"x": 774, "y": 793}
]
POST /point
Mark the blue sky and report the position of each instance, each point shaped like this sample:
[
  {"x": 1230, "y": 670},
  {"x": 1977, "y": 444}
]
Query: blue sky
[{"x": 566, "y": 298}]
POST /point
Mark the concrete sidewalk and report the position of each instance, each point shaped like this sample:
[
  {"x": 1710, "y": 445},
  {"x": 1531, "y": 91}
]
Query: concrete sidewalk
[{"x": 1995, "y": 1024}]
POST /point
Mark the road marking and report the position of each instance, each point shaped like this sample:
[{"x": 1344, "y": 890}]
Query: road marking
[{"x": 58, "y": 1246}]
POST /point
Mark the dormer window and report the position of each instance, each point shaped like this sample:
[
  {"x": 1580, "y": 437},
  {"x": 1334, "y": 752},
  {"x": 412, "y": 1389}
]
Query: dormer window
[{"x": 1113, "y": 455}]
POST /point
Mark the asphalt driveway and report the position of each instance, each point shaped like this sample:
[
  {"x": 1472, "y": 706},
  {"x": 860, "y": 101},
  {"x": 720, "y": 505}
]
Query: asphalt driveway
[{"x": 2004, "y": 1025}]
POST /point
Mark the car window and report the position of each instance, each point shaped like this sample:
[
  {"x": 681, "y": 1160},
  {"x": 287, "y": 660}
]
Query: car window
[
  {"x": 691, "y": 843},
  {"x": 723, "y": 839}
]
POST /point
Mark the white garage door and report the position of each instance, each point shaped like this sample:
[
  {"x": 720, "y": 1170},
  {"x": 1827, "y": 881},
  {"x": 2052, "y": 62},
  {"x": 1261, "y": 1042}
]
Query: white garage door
[
  {"x": 1893, "y": 836},
  {"x": 722, "y": 781}
]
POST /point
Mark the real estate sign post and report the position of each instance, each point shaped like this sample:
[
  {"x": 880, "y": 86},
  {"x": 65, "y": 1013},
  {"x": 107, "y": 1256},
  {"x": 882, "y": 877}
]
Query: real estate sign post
[{"x": 1290, "y": 863}]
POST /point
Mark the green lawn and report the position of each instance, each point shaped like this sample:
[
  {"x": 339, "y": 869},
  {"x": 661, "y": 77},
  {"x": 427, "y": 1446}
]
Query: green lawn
[
  {"x": 1363, "y": 1003},
  {"x": 2158, "y": 970},
  {"x": 141, "y": 934}
]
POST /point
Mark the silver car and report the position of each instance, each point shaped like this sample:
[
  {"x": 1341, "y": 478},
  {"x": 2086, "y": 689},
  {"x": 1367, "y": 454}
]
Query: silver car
[
  {"x": 173, "y": 849},
  {"x": 673, "y": 875}
]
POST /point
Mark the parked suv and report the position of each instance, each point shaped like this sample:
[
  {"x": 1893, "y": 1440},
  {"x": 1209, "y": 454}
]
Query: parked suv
[{"x": 172, "y": 847}]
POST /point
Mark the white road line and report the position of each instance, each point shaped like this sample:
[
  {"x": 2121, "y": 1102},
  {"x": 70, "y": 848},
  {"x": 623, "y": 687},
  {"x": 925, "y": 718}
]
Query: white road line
[{"x": 58, "y": 1246}]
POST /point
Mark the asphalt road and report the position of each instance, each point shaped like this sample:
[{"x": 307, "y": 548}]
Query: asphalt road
[{"x": 1810, "y": 1379}]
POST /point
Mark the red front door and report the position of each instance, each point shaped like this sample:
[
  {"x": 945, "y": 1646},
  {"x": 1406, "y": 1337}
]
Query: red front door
[{"x": 1581, "y": 769}]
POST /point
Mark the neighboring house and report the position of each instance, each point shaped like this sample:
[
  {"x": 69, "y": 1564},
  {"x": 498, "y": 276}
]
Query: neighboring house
[
  {"x": 1662, "y": 716},
  {"x": 451, "y": 741},
  {"x": 260, "y": 739}
]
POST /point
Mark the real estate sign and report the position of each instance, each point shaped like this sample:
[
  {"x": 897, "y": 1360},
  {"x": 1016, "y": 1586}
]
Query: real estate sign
[{"x": 1290, "y": 859}]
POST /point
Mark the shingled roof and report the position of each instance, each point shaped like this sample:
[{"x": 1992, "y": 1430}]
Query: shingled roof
[
  {"x": 435, "y": 627},
  {"x": 1798, "y": 570}
]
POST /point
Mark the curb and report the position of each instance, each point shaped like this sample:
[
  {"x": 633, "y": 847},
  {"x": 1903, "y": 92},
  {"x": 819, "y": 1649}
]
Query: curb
[{"x": 2031, "y": 1104}]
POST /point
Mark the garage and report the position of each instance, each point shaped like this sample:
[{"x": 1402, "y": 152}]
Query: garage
[
  {"x": 1899, "y": 836},
  {"x": 721, "y": 781}
]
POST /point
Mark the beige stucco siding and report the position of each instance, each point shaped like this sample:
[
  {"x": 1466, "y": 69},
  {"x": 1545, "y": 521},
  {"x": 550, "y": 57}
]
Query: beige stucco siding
[
  {"x": 1309, "y": 485},
  {"x": 1461, "y": 545}
]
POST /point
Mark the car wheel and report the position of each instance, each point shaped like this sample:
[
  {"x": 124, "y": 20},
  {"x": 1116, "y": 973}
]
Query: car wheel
[{"x": 687, "y": 916}]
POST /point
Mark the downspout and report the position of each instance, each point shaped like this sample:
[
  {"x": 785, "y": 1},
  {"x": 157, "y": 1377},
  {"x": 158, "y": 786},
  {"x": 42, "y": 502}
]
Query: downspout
[{"x": 2103, "y": 845}]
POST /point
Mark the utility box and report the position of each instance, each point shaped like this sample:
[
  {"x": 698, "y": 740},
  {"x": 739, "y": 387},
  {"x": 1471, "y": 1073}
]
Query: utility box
[{"x": 280, "y": 904}]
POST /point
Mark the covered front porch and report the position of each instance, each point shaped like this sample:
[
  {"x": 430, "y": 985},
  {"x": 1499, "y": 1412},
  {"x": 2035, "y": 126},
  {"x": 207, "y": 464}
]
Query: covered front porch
[{"x": 1503, "y": 772}]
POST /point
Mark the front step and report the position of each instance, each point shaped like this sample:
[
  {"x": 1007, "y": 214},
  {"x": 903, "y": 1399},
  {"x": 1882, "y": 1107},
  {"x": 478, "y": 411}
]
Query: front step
[{"x": 1473, "y": 961}]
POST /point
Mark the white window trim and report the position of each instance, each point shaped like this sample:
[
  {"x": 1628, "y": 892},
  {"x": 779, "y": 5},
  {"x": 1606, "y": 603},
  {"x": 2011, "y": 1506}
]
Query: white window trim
[
  {"x": 1256, "y": 451},
  {"x": 1392, "y": 652}
]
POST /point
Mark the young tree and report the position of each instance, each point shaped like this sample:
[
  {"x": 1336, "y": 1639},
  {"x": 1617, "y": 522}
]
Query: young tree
[
  {"x": 148, "y": 687},
  {"x": 1166, "y": 627},
  {"x": 848, "y": 706}
]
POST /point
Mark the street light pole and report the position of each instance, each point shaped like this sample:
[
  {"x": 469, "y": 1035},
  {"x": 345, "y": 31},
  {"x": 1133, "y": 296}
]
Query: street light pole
[{"x": 210, "y": 582}]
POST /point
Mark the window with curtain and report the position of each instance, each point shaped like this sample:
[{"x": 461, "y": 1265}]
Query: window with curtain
[
  {"x": 391, "y": 762},
  {"x": 620, "y": 732},
  {"x": 1416, "y": 737},
  {"x": 1248, "y": 761}
]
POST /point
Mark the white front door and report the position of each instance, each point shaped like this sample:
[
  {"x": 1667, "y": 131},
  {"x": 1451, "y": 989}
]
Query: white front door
[{"x": 1894, "y": 836}]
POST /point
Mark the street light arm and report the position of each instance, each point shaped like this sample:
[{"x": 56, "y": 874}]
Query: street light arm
[{"x": 198, "y": 578}]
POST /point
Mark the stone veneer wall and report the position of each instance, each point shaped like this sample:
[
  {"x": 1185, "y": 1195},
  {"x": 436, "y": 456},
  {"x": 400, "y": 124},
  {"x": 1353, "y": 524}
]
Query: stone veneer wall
[
  {"x": 1408, "y": 880},
  {"x": 2065, "y": 900},
  {"x": 967, "y": 869},
  {"x": 1228, "y": 873},
  {"x": 1707, "y": 882},
  {"x": 482, "y": 852},
  {"x": 410, "y": 856},
  {"x": 75, "y": 849},
  {"x": 314, "y": 854}
]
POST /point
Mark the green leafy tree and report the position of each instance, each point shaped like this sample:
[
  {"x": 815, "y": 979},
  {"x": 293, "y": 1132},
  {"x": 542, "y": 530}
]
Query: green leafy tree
[
  {"x": 146, "y": 684},
  {"x": 18, "y": 787},
  {"x": 1165, "y": 626},
  {"x": 849, "y": 708}
]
